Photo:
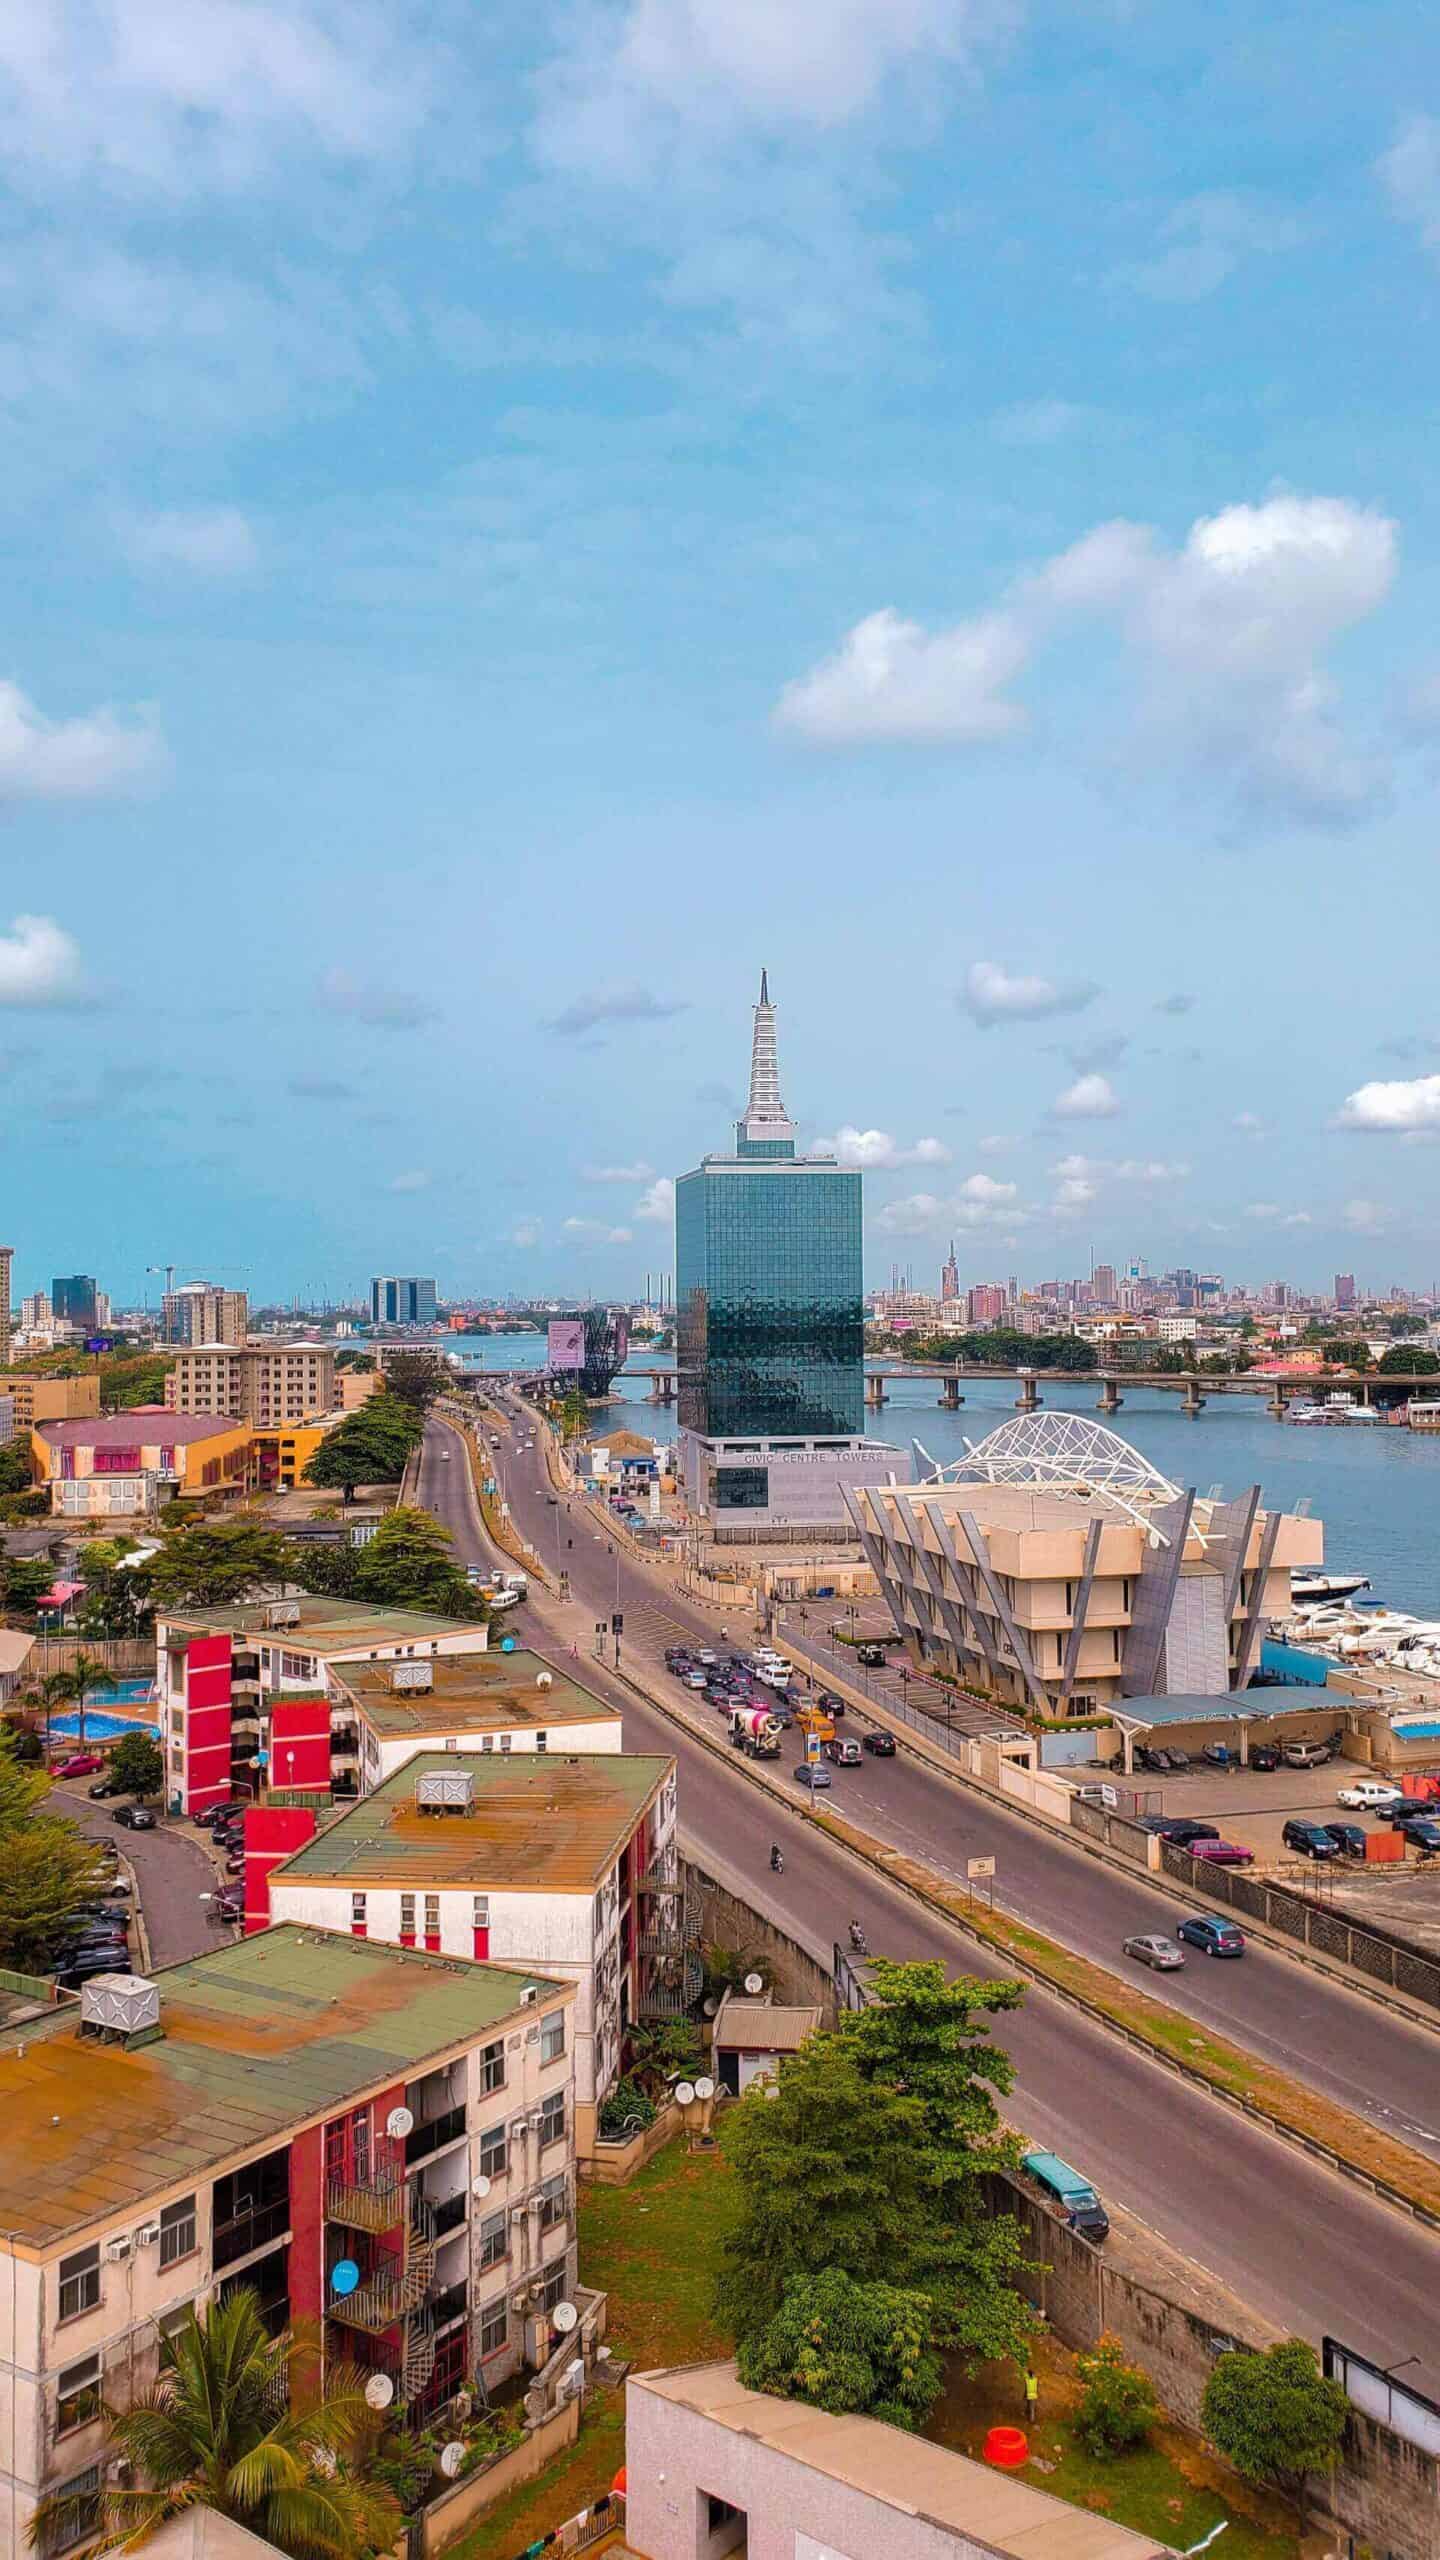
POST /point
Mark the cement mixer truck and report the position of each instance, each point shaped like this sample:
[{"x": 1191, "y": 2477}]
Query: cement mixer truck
[{"x": 755, "y": 1730}]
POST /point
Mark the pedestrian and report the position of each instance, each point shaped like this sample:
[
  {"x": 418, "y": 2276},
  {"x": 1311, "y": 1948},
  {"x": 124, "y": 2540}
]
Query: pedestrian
[{"x": 1032, "y": 2396}]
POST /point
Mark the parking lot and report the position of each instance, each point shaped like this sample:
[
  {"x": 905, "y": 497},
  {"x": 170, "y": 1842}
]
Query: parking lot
[{"x": 1251, "y": 1806}]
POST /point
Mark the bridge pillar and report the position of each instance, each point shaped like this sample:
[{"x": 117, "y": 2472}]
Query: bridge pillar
[
  {"x": 1194, "y": 1404},
  {"x": 950, "y": 1396},
  {"x": 1276, "y": 1404},
  {"x": 1028, "y": 1400},
  {"x": 1110, "y": 1397},
  {"x": 874, "y": 1390}
]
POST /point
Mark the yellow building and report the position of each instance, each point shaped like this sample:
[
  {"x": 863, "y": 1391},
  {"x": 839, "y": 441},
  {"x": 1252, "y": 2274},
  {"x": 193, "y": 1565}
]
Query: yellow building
[
  {"x": 45, "y": 1399},
  {"x": 121, "y": 1464},
  {"x": 278, "y": 1459}
]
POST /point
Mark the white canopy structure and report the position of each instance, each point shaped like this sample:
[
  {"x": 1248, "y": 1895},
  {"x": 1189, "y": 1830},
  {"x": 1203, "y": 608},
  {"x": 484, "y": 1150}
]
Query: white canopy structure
[{"x": 1059, "y": 1453}]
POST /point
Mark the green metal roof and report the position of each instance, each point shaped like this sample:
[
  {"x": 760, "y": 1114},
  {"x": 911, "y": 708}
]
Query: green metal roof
[
  {"x": 472, "y": 1691},
  {"x": 543, "y": 1822},
  {"x": 257, "y": 2038},
  {"x": 323, "y": 1624}
]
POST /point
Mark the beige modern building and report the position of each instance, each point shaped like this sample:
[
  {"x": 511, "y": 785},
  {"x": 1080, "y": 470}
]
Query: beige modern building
[
  {"x": 44, "y": 1399},
  {"x": 254, "y": 2117},
  {"x": 266, "y": 1384},
  {"x": 1056, "y": 1570},
  {"x": 200, "y": 1313}
]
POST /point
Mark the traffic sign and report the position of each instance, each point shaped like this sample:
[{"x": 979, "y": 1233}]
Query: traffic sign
[{"x": 979, "y": 1867}]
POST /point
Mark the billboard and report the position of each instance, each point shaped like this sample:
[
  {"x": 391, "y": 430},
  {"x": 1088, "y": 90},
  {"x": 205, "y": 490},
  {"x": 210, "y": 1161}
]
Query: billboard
[
  {"x": 566, "y": 1336},
  {"x": 620, "y": 1335}
]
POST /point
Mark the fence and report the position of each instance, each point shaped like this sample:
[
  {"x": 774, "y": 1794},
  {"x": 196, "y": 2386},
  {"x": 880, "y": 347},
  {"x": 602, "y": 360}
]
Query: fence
[{"x": 1380, "y": 1954}]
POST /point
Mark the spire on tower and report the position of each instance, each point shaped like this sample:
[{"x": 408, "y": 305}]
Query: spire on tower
[{"x": 765, "y": 1127}]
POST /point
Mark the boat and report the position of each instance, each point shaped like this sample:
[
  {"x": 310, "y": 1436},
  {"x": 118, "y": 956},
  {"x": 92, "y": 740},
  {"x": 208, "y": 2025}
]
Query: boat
[
  {"x": 1305, "y": 1409},
  {"x": 1315, "y": 1585}
]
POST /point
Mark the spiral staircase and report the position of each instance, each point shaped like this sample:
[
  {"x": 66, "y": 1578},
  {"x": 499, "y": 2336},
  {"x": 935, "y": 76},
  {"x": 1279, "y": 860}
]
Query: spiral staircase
[{"x": 392, "y": 2295}]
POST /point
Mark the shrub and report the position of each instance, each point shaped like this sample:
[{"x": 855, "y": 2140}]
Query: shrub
[
  {"x": 1118, "y": 2405},
  {"x": 627, "y": 2110}
]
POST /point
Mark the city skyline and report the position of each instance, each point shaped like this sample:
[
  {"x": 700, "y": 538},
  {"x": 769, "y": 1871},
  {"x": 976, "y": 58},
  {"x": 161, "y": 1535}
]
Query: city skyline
[{"x": 930, "y": 499}]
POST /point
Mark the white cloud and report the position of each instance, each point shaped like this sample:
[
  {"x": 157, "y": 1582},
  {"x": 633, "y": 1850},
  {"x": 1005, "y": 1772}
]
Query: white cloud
[
  {"x": 979, "y": 1202},
  {"x": 410, "y": 1182},
  {"x": 613, "y": 1004},
  {"x": 892, "y": 682},
  {"x": 1204, "y": 240},
  {"x": 525, "y": 1232},
  {"x": 981, "y": 1188},
  {"x": 631, "y": 1173},
  {"x": 1393, "y": 1108},
  {"x": 1225, "y": 641},
  {"x": 382, "y": 1008},
  {"x": 40, "y": 964},
  {"x": 657, "y": 1205},
  {"x": 913, "y": 1216},
  {"x": 1269, "y": 1213},
  {"x": 1249, "y": 1123},
  {"x": 214, "y": 542},
  {"x": 1410, "y": 173},
  {"x": 594, "y": 1231},
  {"x": 875, "y": 1151},
  {"x": 80, "y": 759},
  {"x": 997, "y": 1146},
  {"x": 1088, "y": 1098},
  {"x": 991, "y": 995},
  {"x": 1147, "y": 1169},
  {"x": 1365, "y": 1217}
]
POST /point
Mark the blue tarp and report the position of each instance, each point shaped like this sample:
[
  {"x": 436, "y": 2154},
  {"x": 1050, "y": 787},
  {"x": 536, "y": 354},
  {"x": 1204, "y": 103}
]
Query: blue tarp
[{"x": 1289, "y": 1662}]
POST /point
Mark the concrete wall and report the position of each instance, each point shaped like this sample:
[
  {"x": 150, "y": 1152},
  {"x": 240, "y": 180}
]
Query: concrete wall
[
  {"x": 727, "y": 1921},
  {"x": 455, "y": 2510}
]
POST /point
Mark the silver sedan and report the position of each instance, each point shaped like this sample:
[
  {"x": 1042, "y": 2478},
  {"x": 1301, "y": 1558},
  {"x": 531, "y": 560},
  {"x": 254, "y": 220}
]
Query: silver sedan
[{"x": 1162, "y": 1954}]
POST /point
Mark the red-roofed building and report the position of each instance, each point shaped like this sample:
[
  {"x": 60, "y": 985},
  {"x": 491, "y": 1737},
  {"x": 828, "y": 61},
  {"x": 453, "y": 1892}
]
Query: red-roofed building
[{"x": 113, "y": 1465}]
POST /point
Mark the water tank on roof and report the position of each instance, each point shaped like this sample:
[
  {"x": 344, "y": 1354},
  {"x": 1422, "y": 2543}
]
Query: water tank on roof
[
  {"x": 412, "y": 1675},
  {"x": 120, "y": 2004},
  {"x": 445, "y": 1791}
]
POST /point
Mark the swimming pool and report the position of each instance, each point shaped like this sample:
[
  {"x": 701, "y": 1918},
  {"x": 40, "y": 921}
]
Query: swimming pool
[
  {"x": 125, "y": 1693},
  {"x": 99, "y": 1727}
]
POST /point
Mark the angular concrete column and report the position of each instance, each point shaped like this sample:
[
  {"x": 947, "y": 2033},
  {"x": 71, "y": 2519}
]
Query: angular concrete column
[
  {"x": 1194, "y": 1404},
  {"x": 1110, "y": 1397},
  {"x": 950, "y": 1396},
  {"x": 1028, "y": 1400}
]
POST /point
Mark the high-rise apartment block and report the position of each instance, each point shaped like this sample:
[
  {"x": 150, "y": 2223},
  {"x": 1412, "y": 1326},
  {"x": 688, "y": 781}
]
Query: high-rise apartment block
[
  {"x": 1102, "y": 1283},
  {"x": 262, "y": 1383},
  {"x": 35, "y": 1312},
  {"x": 1344, "y": 1292},
  {"x": 950, "y": 1278},
  {"x": 7, "y": 1256},
  {"x": 402, "y": 1301},
  {"x": 74, "y": 1301},
  {"x": 199, "y": 1313},
  {"x": 985, "y": 1305}
]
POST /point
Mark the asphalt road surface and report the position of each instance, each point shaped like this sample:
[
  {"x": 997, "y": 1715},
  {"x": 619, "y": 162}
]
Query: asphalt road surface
[
  {"x": 171, "y": 1872},
  {"x": 1306, "y": 2248}
]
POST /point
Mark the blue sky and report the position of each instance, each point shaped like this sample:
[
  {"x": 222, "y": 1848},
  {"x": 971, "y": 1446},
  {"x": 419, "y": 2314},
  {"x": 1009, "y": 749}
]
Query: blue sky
[{"x": 514, "y": 516}]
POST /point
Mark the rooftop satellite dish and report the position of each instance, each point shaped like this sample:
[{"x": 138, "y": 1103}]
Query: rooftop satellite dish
[
  {"x": 344, "y": 2276},
  {"x": 480, "y": 2187},
  {"x": 451, "y": 2458},
  {"x": 564, "y": 2316},
  {"x": 711, "y": 2004},
  {"x": 399, "y": 2122},
  {"x": 754, "y": 1983},
  {"x": 379, "y": 2391},
  {"x": 684, "y": 2093},
  {"x": 705, "y": 2088},
  {"x": 544, "y": 1679}
]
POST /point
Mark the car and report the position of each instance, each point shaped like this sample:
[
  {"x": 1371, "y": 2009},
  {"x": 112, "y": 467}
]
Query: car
[
  {"x": 882, "y": 1744},
  {"x": 118, "y": 1890},
  {"x": 1424, "y": 1836},
  {"x": 73, "y": 1977},
  {"x": 1369, "y": 1795},
  {"x": 1265, "y": 1755},
  {"x": 78, "y": 1764},
  {"x": 842, "y": 1754},
  {"x": 1408, "y": 1809},
  {"x": 134, "y": 1817},
  {"x": 1212, "y": 1937},
  {"x": 1308, "y": 1755},
  {"x": 808, "y": 1773},
  {"x": 872, "y": 1655},
  {"x": 1075, "y": 2196},
  {"x": 1161, "y": 1954},
  {"x": 693, "y": 1679},
  {"x": 1222, "y": 1853},
  {"x": 832, "y": 1705},
  {"x": 1349, "y": 1838},
  {"x": 102, "y": 1788},
  {"x": 1308, "y": 1840},
  {"x": 1182, "y": 1828},
  {"x": 214, "y": 1813},
  {"x": 235, "y": 1863},
  {"x": 706, "y": 1656}
]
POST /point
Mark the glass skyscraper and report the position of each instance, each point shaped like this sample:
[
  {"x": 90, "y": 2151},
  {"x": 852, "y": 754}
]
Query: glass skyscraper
[{"x": 769, "y": 1279}]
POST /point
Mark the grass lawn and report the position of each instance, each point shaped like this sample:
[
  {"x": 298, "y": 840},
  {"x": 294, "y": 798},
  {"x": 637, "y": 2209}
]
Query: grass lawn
[{"x": 652, "y": 2247}]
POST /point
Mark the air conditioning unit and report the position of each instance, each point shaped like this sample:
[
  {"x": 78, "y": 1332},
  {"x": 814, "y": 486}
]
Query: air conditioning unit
[
  {"x": 518, "y": 2301},
  {"x": 536, "y": 2122},
  {"x": 116, "y": 2250},
  {"x": 147, "y": 2235},
  {"x": 529, "y": 1995},
  {"x": 517, "y": 2213}
]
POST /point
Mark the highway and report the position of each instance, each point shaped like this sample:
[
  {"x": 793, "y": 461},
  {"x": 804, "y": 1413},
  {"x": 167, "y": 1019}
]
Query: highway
[{"x": 1308, "y": 2250}]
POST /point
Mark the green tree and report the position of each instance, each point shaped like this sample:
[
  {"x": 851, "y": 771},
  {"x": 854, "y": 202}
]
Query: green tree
[
  {"x": 843, "y": 2346},
  {"x": 416, "y": 1378},
  {"x": 137, "y": 1766},
  {"x": 1404, "y": 1358},
  {"x": 574, "y": 1416},
  {"x": 1349, "y": 1354},
  {"x": 14, "y": 1466},
  {"x": 410, "y": 1564},
  {"x": 137, "y": 1380},
  {"x": 370, "y": 1446},
  {"x": 661, "y": 2049},
  {"x": 235, "y": 2424},
  {"x": 114, "y": 1602},
  {"x": 48, "y": 1869},
  {"x": 204, "y": 1563},
  {"x": 1275, "y": 2415},
  {"x": 1118, "y": 2406},
  {"x": 23, "y": 1582},
  {"x": 72, "y": 1686},
  {"x": 332, "y": 1570}
]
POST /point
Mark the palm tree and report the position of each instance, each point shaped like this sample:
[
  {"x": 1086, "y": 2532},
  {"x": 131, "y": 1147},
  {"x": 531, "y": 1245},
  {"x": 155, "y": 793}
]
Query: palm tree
[
  {"x": 236, "y": 2423},
  {"x": 87, "y": 1671}
]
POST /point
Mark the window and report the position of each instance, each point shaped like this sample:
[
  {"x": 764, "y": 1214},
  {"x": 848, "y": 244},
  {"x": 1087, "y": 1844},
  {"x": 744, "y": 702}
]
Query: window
[
  {"x": 407, "y": 1919},
  {"x": 494, "y": 2157},
  {"x": 505, "y": 1741},
  {"x": 494, "y": 2329},
  {"x": 480, "y": 1911},
  {"x": 552, "y": 2036},
  {"x": 487, "y": 1742},
  {"x": 555, "y": 2287},
  {"x": 432, "y": 1914},
  {"x": 77, "y": 2398},
  {"x": 552, "y": 2119},
  {"x": 79, "y": 2283},
  {"x": 177, "y": 2230},
  {"x": 492, "y": 2067},
  {"x": 554, "y": 2203},
  {"x": 493, "y": 2242},
  {"x": 81, "y": 2520},
  {"x": 542, "y": 1741},
  {"x": 357, "y": 1915}
]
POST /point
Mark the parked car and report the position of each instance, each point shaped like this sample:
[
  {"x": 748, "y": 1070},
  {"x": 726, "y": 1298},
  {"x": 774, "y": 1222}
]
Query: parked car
[
  {"x": 1369, "y": 1795},
  {"x": 1408, "y": 1809},
  {"x": 694, "y": 1679},
  {"x": 1213, "y": 1937},
  {"x": 882, "y": 1744},
  {"x": 1222, "y": 1853},
  {"x": 214, "y": 1813},
  {"x": 1265, "y": 1755},
  {"x": 1076, "y": 2197},
  {"x": 78, "y": 1764},
  {"x": 1308, "y": 1755},
  {"x": 1424, "y": 1836},
  {"x": 235, "y": 1863},
  {"x": 1161, "y": 1954},
  {"x": 134, "y": 1817},
  {"x": 227, "y": 1910},
  {"x": 809, "y": 1774},
  {"x": 1349, "y": 1838},
  {"x": 1308, "y": 1840},
  {"x": 1182, "y": 1828}
]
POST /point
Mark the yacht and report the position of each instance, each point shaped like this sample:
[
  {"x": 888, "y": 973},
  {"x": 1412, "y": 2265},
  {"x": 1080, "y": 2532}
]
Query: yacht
[{"x": 1307, "y": 1585}]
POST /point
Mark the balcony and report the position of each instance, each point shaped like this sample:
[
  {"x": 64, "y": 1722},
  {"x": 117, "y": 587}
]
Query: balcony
[
  {"x": 243, "y": 2232},
  {"x": 432, "y": 2137},
  {"x": 450, "y": 2303},
  {"x": 367, "y": 2204},
  {"x": 449, "y": 2214},
  {"x": 344, "y": 1738}
]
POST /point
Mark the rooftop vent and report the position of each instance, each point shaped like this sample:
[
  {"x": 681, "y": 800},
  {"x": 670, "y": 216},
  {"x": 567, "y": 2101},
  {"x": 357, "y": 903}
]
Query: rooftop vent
[
  {"x": 282, "y": 1613},
  {"x": 119, "y": 2006},
  {"x": 445, "y": 1791},
  {"x": 412, "y": 1675}
]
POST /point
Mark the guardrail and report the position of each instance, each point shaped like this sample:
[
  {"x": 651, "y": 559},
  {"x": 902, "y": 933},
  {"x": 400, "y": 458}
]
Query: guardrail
[{"x": 1377, "y": 1953}]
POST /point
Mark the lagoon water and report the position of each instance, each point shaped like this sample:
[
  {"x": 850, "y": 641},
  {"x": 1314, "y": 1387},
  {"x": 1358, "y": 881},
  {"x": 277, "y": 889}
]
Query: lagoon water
[{"x": 1376, "y": 1489}]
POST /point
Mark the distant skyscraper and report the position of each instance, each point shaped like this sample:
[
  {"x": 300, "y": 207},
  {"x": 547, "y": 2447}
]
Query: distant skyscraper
[
  {"x": 73, "y": 1300},
  {"x": 201, "y": 1313},
  {"x": 950, "y": 1278},
  {"x": 1344, "y": 1292},
  {"x": 7, "y": 1255},
  {"x": 985, "y": 1305},
  {"x": 1102, "y": 1282},
  {"x": 402, "y": 1301}
]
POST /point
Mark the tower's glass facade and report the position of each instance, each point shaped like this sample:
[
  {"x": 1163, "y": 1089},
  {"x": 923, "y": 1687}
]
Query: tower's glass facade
[{"x": 769, "y": 1299}]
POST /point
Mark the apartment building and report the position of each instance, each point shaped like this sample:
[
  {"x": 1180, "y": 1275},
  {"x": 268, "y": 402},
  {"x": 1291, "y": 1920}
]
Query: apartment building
[
  {"x": 7, "y": 1256},
  {"x": 567, "y": 1863},
  {"x": 483, "y": 1702},
  {"x": 267, "y": 1384},
  {"x": 42, "y": 1399},
  {"x": 259, "y": 2117},
  {"x": 246, "y": 1688},
  {"x": 122, "y": 1465},
  {"x": 200, "y": 1313}
]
